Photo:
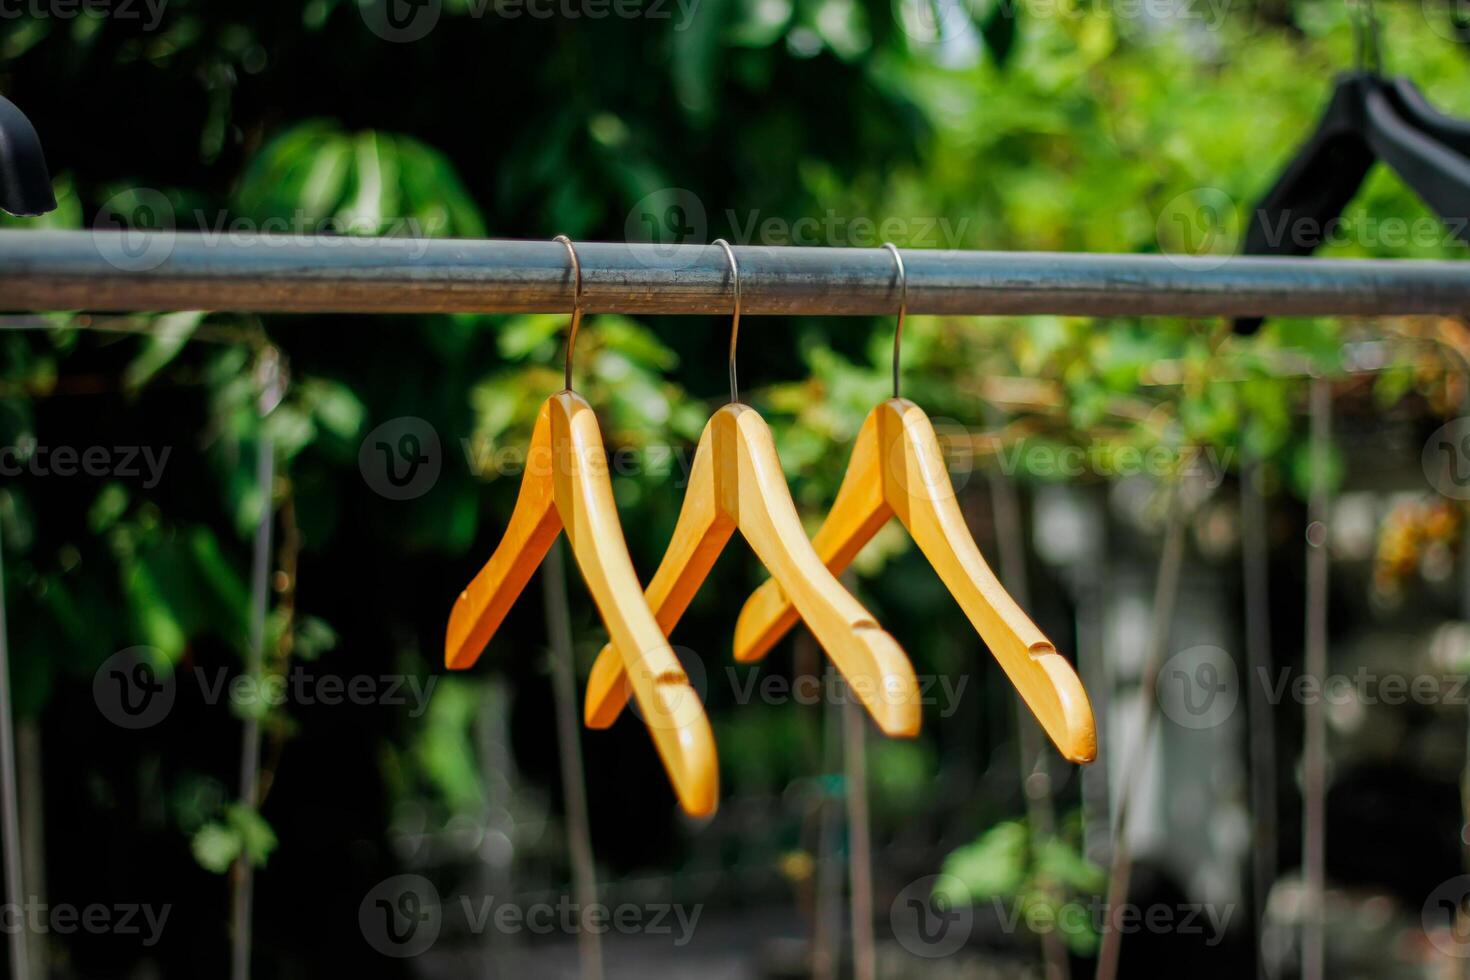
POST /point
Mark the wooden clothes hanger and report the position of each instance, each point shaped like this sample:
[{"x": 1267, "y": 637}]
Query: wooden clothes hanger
[
  {"x": 897, "y": 469},
  {"x": 565, "y": 486},
  {"x": 736, "y": 481}
]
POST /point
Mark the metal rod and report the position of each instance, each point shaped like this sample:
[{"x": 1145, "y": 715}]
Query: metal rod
[
  {"x": 573, "y": 773},
  {"x": 97, "y": 270},
  {"x": 20, "y": 967},
  {"x": 1256, "y": 584},
  {"x": 1166, "y": 594},
  {"x": 1314, "y": 753},
  {"x": 243, "y": 896},
  {"x": 859, "y": 839}
]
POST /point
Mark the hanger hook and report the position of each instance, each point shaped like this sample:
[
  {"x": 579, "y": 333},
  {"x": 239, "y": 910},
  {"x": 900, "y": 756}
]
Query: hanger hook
[
  {"x": 735, "y": 322},
  {"x": 903, "y": 305},
  {"x": 576, "y": 305}
]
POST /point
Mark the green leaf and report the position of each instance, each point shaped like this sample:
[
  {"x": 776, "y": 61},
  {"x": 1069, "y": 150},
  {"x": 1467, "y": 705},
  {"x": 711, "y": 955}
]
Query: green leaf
[
  {"x": 257, "y": 839},
  {"x": 169, "y": 333},
  {"x": 216, "y": 846}
]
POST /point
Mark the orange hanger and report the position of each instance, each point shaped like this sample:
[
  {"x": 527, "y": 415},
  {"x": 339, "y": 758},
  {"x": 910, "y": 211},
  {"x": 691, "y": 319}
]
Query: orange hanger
[
  {"x": 736, "y": 482},
  {"x": 565, "y": 487},
  {"x": 897, "y": 468}
]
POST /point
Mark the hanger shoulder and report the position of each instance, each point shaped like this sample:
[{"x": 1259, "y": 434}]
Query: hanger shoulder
[
  {"x": 669, "y": 705},
  {"x": 857, "y": 513},
  {"x": 699, "y": 536},
  {"x": 751, "y": 486},
  {"x": 1416, "y": 110},
  {"x": 1436, "y": 172},
  {"x": 918, "y": 488},
  {"x": 534, "y": 523}
]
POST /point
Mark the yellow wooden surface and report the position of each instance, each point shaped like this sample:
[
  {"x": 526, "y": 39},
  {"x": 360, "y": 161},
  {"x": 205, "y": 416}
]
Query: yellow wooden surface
[
  {"x": 736, "y": 481},
  {"x": 566, "y": 487},
  {"x": 897, "y": 467}
]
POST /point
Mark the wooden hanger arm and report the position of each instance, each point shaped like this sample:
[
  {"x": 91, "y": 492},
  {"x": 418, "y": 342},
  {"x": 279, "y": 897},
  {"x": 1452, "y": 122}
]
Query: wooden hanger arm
[
  {"x": 700, "y": 534},
  {"x": 856, "y": 515},
  {"x": 668, "y": 704},
  {"x": 875, "y": 666},
  {"x": 918, "y": 487},
  {"x": 534, "y": 523}
]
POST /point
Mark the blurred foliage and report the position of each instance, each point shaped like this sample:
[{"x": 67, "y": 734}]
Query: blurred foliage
[
  {"x": 1064, "y": 125},
  {"x": 1047, "y": 882}
]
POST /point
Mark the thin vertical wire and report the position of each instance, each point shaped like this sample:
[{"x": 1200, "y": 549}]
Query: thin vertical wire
[
  {"x": 265, "y": 475},
  {"x": 20, "y": 966},
  {"x": 1035, "y": 778},
  {"x": 860, "y": 841},
  {"x": 1314, "y": 755},
  {"x": 1166, "y": 591},
  {"x": 1256, "y": 584},
  {"x": 1465, "y": 617},
  {"x": 573, "y": 777},
  {"x": 576, "y": 305},
  {"x": 735, "y": 319},
  {"x": 826, "y": 958},
  {"x": 903, "y": 305}
]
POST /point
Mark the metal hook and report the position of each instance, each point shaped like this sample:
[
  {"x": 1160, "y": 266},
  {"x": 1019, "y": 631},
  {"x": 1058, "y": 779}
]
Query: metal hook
[
  {"x": 903, "y": 303},
  {"x": 735, "y": 323},
  {"x": 576, "y": 305}
]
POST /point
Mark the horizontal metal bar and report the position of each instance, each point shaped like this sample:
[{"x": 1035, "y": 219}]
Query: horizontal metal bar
[{"x": 122, "y": 271}]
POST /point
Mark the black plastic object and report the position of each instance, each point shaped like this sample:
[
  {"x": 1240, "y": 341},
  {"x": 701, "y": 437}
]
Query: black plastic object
[
  {"x": 1368, "y": 118},
  {"x": 25, "y": 183}
]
